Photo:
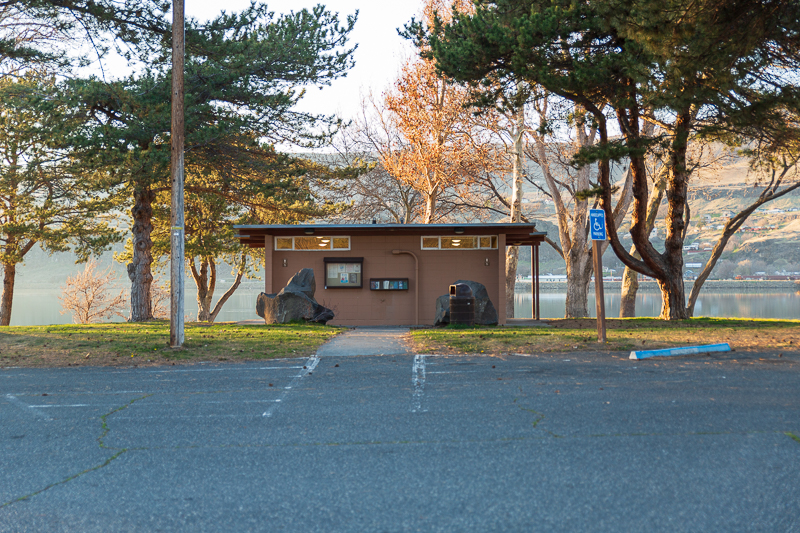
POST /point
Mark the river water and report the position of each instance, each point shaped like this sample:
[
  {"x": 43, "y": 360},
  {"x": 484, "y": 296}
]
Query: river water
[
  {"x": 778, "y": 304},
  {"x": 42, "y": 306}
]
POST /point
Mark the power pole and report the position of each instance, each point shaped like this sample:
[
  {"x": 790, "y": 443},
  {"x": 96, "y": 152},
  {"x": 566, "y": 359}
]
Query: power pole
[{"x": 176, "y": 277}]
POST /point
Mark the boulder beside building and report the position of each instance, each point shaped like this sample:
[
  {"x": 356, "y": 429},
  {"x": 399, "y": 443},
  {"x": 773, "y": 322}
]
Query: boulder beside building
[{"x": 294, "y": 302}]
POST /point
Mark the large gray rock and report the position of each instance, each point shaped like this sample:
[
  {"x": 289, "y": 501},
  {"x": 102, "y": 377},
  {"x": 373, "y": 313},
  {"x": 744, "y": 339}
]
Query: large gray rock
[
  {"x": 294, "y": 302},
  {"x": 485, "y": 312},
  {"x": 303, "y": 282}
]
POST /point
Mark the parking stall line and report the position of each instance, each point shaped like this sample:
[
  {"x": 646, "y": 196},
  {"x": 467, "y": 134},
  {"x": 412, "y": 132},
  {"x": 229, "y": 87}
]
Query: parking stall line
[
  {"x": 61, "y": 405},
  {"x": 418, "y": 379},
  {"x": 13, "y": 400},
  {"x": 309, "y": 367},
  {"x": 186, "y": 370}
]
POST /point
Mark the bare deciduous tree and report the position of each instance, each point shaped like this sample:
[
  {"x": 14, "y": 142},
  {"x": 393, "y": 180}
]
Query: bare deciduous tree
[
  {"x": 569, "y": 188},
  {"x": 776, "y": 173},
  {"x": 159, "y": 300},
  {"x": 88, "y": 295}
]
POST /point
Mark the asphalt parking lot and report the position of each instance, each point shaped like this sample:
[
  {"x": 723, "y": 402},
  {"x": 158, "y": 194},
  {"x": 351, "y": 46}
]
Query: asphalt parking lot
[{"x": 403, "y": 442}]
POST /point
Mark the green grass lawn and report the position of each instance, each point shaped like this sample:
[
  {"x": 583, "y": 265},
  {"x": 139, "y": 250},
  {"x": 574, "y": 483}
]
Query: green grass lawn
[
  {"x": 147, "y": 343},
  {"x": 622, "y": 335}
]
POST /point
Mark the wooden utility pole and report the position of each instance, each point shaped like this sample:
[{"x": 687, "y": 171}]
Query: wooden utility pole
[{"x": 176, "y": 336}]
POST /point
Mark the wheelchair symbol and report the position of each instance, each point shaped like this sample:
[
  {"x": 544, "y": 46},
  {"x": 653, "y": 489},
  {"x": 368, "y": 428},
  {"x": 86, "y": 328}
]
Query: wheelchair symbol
[{"x": 597, "y": 226}]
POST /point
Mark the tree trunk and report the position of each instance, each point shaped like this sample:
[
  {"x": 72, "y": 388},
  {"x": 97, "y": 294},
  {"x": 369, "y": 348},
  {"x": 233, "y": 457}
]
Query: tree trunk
[
  {"x": 512, "y": 252},
  {"x": 224, "y": 298},
  {"x": 205, "y": 287},
  {"x": 578, "y": 277},
  {"x": 630, "y": 278},
  {"x": 139, "y": 269},
  {"x": 512, "y": 259},
  {"x": 9, "y": 274},
  {"x": 673, "y": 306},
  {"x": 673, "y": 296},
  {"x": 630, "y": 286},
  {"x": 430, "y": 208}
]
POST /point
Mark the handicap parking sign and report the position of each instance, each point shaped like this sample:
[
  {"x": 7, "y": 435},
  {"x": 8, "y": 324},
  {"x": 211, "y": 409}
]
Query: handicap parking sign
[{"x": 597, "y": 224}]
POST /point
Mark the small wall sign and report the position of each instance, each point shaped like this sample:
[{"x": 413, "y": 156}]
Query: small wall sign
[{"x": 388, "y": 284}]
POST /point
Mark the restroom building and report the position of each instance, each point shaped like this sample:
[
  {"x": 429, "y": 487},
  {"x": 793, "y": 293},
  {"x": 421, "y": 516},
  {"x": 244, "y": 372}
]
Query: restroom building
[{"x": 391, "y": 274}]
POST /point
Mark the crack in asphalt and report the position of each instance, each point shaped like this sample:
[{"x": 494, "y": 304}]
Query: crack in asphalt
[{"x": 100, "y": 442}]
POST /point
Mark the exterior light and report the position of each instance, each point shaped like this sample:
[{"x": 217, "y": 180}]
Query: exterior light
[
  {"x": 308, "y": 231},
  {"x": 459, "y": 230}
]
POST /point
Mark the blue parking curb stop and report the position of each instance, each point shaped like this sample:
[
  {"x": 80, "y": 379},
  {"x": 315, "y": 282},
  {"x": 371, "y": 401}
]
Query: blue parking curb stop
[{"x": 685, "y": 350}]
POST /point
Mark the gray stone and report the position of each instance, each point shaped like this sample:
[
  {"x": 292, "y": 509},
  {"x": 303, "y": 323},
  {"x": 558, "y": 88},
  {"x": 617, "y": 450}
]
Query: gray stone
[
  {"x": 485, "y": 312},
  {"x": 294, "y": 302},
  {"x": 303, "y": 282},
  {"x": 285, "y": 307}
]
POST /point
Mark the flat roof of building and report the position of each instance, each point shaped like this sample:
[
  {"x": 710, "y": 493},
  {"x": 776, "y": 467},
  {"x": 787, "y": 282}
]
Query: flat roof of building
[{"x": 518, "y": 234}]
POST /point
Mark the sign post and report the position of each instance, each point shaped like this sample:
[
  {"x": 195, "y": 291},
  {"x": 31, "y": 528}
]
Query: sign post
[{"x": 597, "y": 232}]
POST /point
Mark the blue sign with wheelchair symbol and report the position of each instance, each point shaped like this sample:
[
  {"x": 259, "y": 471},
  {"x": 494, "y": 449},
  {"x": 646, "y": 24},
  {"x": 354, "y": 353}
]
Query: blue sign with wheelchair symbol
[{"x": 597, "y": 224}]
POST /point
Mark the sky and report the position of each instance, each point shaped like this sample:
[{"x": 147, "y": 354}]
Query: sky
[{"x": 378, "y": 57}]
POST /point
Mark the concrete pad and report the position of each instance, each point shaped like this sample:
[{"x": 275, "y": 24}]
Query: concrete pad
[
  {"x": 529, "y": 322},
  {"x": 368, "y": 340}
]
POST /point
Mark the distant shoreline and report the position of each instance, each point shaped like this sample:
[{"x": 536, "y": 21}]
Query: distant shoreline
[
  {"x": 722, "y": 285},
  {"x": 524, "y": 287}
]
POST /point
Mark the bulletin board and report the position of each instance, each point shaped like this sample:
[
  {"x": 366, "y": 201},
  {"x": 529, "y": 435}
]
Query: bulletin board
[{"x": 344, "y": 272}]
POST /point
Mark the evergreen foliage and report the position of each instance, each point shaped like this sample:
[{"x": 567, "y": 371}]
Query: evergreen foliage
[
  {"x": 711, "y": 68},
  {"x": 245, "y": 73},
  {"x": 44, "y": 198}
]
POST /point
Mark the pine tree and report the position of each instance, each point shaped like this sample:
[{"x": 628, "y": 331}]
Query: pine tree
[
  {"x": 708, "y": 67},
  {"x": 244, "y": 74},
  {"x": 44, "y": 199}
]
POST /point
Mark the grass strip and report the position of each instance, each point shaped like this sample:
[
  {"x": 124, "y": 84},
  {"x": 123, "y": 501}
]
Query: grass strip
[
  {"x": 567, "y": 335},
  {"x": 147, "y": 343}
]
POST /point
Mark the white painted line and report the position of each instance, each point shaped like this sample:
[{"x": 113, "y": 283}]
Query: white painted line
[
  {"x": 310, "y": 365},
  {"x": 165, "y": 417},
  {"x": 456, "y": 372},
  {"x": 176, "y": 403},
  {"x": 241, "y": 401},
  {"x": 78, "y": 393},
  {"x": 685, "y": 350},
  {"x": 478, "y": 371},
  {"x": 25, "y": 407},
  {"x": 418, "y": 379},
  {"x": 63, "y": 405},
  {"x": 227, "y": 369}
]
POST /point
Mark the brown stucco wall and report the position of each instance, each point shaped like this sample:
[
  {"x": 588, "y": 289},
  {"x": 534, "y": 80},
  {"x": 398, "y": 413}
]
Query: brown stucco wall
[{"x": 361, "y": 307}]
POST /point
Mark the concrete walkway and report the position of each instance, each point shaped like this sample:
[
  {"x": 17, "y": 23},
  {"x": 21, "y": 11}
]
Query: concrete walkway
[{"x": 368, "y": 340}]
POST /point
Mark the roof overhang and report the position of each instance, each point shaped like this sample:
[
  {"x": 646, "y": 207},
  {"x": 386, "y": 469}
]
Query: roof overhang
[{"x": 523, "y": 234}]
